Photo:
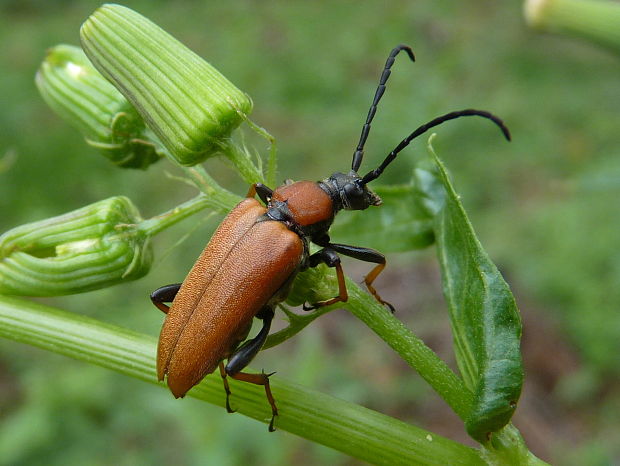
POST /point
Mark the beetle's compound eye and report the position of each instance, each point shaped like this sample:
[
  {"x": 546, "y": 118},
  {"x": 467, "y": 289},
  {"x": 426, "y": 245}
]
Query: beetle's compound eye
[
  {"x": 349, "y": 191},
  {"x": 357, "y": 196}
]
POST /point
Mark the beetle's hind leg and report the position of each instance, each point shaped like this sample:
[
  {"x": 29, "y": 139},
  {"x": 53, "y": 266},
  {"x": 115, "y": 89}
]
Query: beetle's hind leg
[
  {"x": 261, "y": 379},
  {"x": 242, "y": 357},
  {"x": 226, "y": 387},
  {"x": 165, "y": 294}
]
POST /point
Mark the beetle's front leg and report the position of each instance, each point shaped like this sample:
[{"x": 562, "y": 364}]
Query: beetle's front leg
[
  {"x": 366, "y": 255},
  {"x": 242, "y": 357},
  {"x": 165, "y": 294},
  {"x": 330, "y": 258},
  {"x": 264, "y": 193}
]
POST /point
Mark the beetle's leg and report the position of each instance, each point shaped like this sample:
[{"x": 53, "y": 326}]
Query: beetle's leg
[
  {"x": 165, "y": 294},
  {"x": 226, "y": 387},
  {"x": 329, "y": 257},
  {"x": 263, "y": 192},
  {"x": 366, "y": 255},
  {"x": 242, "y": 357},
  {"x": 246, "y": 352},
  {"x": 261, "y": 379}
]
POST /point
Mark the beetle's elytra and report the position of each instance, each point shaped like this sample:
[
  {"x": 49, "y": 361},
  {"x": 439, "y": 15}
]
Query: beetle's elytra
[{"x": 254, "y": 255}]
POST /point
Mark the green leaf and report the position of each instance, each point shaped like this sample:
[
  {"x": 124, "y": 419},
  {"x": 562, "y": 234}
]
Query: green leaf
[
  {"x": 404, "y": 222},
  {"x": 484, "y": 317}
]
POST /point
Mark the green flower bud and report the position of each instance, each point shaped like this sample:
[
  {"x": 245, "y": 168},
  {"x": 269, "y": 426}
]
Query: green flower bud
[
  {"x": 313, "y": 285},
  {"x": 597, "y": 21},
  {"x": 189, "y": 105},
  {"x": 77, "y": 92},
  {"x": 89, "y": 248}
]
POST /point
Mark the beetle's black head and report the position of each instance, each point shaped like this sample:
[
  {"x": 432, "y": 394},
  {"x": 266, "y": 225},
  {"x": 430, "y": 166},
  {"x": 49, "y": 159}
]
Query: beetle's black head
[{"x": 349, "y": 192}]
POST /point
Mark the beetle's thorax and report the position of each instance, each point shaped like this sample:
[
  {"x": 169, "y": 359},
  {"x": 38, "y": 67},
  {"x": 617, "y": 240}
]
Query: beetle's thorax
[
  {"x": 308, "y": 207},
  {"x": 304, "y": 206}
]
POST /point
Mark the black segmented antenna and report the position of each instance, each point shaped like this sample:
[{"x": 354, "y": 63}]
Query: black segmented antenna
[
  {"x": 424, "y": 128},
  {"x": 359, "y": 152}
]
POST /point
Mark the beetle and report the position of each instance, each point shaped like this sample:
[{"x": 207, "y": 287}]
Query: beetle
[{"x": 249, "y": 264}]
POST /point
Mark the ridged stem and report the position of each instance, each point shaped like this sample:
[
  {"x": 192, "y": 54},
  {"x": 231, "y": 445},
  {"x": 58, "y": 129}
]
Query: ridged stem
[
  {"x": 411, "y": 348},
  {"x": 349, "y": 428}
]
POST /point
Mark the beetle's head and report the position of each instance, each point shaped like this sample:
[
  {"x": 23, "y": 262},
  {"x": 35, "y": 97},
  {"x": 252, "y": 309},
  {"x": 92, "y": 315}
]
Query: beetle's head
[{"x": 349, "y": 192}]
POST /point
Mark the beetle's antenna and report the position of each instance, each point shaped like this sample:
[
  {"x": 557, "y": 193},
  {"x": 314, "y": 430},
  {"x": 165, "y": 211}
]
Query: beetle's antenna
[
  {"x": 359, "y": 152},
  {"x": 424, "y": 128}
]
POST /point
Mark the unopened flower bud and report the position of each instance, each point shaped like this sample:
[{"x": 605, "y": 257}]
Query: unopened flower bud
[
  {"x": 187, "y": 103},
  {"x": 78, "y": 93},
  {"x": 597, "y": 21},
  {"x": 313, "y": 285},
  {"x": 89, "y": 248}
]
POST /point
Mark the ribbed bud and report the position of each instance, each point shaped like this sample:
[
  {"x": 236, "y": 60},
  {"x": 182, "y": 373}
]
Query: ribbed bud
[
  {"x": 597, "y": 21},
  {"x": 189, "y": 105},
  {"x": 313, "y": 285},
  {"x": 78, "y": 93},
  {"x": 89, "y": 248}
]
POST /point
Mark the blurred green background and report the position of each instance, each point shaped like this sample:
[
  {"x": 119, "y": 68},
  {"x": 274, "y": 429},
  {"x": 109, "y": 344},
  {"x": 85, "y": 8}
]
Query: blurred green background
[{"x": 545, "y": 207}]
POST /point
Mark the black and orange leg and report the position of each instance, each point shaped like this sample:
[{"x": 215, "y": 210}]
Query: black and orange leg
[
  {"x": 264, "y": 193},
  {"x": 226, "y": 387},
  {"x": 242, "y": 357},
  {"x": 330, "y": 258},
  {"x": 164, "y": 294},
  {"x": 366, "y": 255},
  {"x": 260, "y": 379}
]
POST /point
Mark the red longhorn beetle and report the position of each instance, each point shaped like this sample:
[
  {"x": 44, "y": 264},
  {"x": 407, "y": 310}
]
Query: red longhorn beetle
[{"x": 253, "y": 257}]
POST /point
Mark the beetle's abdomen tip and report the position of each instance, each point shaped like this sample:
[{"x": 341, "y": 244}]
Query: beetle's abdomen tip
[
  {"x": 178, "y": 393},
  {"x": 179, "y": 390}
]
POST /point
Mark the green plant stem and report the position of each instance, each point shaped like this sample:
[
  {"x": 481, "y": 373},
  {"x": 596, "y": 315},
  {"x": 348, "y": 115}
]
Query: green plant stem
[
  {"x": 411, "y": 348},
  {"x": 160, "y": 222},
  {"x": 220, "y": 198},
  {"x": 352, "y": 429},
  {"x": 242, "y": 162},
  {"x": 508, "y": 447},
  {"x": 272, "y": 161},
  {"x": 213, "y": 196},
  {"x": 296, "y": 324}
]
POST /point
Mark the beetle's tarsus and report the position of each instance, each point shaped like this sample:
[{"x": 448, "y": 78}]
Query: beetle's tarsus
[
  {"x": 228, "y": 408},
  {"x": 260, "y": 379},
  {"x": 226, "y": 387},
  {"x": 310, "y": 307},
  {"x": 374, "y": 293}
]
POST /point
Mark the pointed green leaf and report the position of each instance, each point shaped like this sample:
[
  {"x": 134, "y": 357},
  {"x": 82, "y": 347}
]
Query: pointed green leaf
[{"x": 484, "y": 317}]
